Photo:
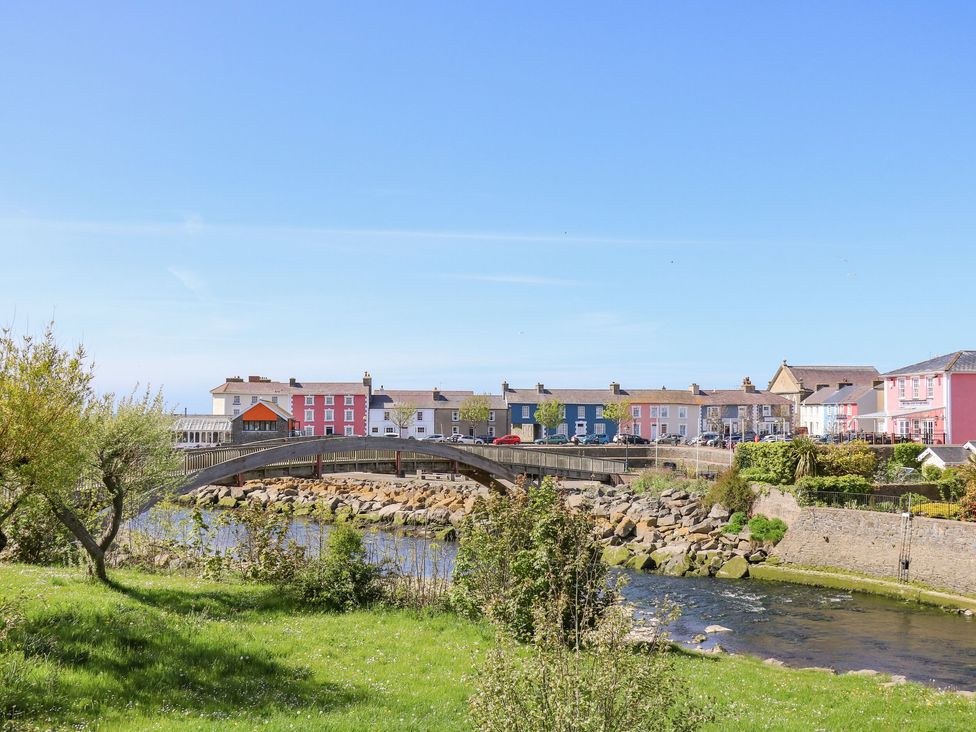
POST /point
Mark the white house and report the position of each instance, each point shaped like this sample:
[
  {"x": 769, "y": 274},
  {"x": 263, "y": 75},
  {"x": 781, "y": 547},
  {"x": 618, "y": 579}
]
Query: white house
[
  {"x": 383, "y": 411},
  {"x": 235, "y": 394}
]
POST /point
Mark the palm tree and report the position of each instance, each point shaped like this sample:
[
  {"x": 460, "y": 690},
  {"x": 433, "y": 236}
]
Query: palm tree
[{"x": 806, "y": 453}]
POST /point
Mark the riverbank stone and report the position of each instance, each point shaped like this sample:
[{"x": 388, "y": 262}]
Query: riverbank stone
[
  {"x": 616, "y": 556},
  {"x": 735, "y": 568}
]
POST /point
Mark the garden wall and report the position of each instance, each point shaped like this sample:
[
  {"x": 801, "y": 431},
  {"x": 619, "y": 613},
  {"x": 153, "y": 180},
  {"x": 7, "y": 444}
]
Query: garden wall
[{"x": 943, "y": 553}]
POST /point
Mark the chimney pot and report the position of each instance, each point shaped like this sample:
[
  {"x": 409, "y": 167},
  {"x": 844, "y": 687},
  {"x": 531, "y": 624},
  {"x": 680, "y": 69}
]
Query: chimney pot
[
  {"x": 695, "y": 389},
  {"x": 292, "y": 381},
  {"x": 504, "y": 387},
  {"x": 614, "y": 387},
  {"x": 367, "y": 380},
  {"x": 540, "y": 388}
]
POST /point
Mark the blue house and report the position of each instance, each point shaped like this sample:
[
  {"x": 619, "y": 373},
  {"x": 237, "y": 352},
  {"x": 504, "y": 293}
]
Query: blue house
[{"x": 582, "y": 410}]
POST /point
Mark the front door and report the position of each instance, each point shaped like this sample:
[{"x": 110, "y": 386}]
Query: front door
[{"x": 581, "y": 428}]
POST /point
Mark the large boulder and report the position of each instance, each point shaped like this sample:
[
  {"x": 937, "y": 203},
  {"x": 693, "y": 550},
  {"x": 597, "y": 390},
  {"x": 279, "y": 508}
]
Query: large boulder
[
  {"x": 642, "y": 562},
  {"x": 736, "y": 568},
  {"x": 625, "y": 528},
  {"x": 615, "y": 556}
]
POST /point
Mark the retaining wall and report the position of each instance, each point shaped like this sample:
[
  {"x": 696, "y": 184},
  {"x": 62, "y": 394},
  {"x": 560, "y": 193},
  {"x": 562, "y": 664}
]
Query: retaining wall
[{"x": 943, "y": 553}]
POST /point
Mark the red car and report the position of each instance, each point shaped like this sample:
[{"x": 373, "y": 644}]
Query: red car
[{"x": 507, "y": 440}]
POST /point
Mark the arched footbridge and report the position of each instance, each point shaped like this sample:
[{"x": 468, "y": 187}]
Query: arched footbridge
[{"x": 485, "y": 463}]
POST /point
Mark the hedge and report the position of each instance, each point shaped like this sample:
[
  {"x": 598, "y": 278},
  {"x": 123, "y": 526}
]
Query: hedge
[
  {"x": 774, "y": 461},
  {"x": 835, "y": 484},
  {"x": 907, "y": 454}
]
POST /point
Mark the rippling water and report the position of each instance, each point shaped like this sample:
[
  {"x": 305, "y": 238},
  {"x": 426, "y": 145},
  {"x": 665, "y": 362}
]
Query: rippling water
[{"x": 801, "y": 625}]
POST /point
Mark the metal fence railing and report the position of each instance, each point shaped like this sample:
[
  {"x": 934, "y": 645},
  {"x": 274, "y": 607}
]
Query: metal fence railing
[{"x": 905, "y": 503}]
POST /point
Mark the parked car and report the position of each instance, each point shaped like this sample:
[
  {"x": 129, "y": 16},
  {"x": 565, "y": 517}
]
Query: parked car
[
  {"x": 736, "y": 438},
  {"x": 553, "y": 440},
  {"x": 623, "y": 438},
  {"x": 592, "y": 440},
  {"x": 507, "y": 440},
  {"x": 716, "y": 441},
  {"x": 670, "y": 439},
  {"x": 774, "y": 438},
  {"x": 704, "y": 438},
  {"x": 465, "y": 440},
  {"x": 434, "y": 438}
]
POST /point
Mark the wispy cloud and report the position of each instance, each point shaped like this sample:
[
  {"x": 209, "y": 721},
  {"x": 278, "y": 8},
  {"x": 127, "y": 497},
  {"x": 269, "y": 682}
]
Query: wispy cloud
[
  {"x": 193, "y": 224},
  {"x": 515, "y": 280},
  {"x": 191, "y": 281}
]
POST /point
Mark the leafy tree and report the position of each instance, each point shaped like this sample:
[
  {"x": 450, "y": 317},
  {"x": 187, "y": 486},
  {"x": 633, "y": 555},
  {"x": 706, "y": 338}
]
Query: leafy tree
[
  {"x": 44, "y": 394},
  {"x": 129, "y": 456},
  {"x": 403, "y": 415},
  {"x": 475, "y": 409},
  {"x": 967, "y": 473},
  {"x": 550, "y": 413},
  {"x": 618, "y": 413},
  {"x": 906, "y": 454}
]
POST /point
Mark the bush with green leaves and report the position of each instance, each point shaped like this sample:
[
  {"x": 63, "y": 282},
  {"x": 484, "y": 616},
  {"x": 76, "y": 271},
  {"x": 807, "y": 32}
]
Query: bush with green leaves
[
  {"x": 601, "y": 684},
  {"x": 36, "y": 536},
  {"x": 731, "y": 491},
  {"x": 766, "y": 530},
  {"x": 756, "y": 475},
  {"x": 849, "y": 458},
  {"x": 906, "y": 455},
  {"x": 835, "y": 484},
  {"x": 526, "y": 550},
  {"x": 951, "y": 484},
  {"x": 932, "y": 473},
  {"x": 737, "y": 522},
  {"x": 342, "y": 578},
  {"x": 773, "y": 462}
]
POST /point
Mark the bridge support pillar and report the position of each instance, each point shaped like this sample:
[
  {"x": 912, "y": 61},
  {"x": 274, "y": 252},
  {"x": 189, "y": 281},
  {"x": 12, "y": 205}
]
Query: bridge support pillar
[
  {"x": 397, "y": 467},
  {"x": 318, "y": 465},
  {"x": 240, "y": 480}
]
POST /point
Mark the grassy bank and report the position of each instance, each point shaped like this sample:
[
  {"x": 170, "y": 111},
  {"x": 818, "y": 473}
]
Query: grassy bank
[{"x": 161, "y": 652}]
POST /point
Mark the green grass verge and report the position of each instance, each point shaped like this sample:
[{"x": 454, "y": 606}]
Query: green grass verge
[{"x": 160, "y": 652}]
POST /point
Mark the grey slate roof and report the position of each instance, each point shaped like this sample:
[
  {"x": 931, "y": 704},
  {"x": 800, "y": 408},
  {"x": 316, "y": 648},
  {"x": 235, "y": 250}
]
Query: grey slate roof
[
  {"x": 957, "y": 361},
  {"x": 425, "y": 399},
  {"x": 810, "y": 376},
  {"x": 950, "y": 454},
  {"x": 734, "y": 397},
  {"x": 201, "y": 423}
]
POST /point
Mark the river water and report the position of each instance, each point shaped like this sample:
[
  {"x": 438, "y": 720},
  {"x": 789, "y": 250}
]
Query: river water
[{"x": 797, "y": 624}]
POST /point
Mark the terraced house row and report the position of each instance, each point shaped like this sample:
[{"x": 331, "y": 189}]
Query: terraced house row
[{"x": 932, "y": 401}]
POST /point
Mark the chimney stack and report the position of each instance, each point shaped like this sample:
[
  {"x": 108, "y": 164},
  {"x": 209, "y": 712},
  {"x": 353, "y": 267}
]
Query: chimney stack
[
  {"x": 367, "y": 380},
  {"x": 253, "y": 379},
  {"x": 234, "y": 380},
  {"x": 695, "y": 389},
  {"x": 747, "y": 386},
  {"x": 292, "y": 381},
  {"x": 504, "y": 388},
  {"x": 435, "y": 393},
  {"x": 540, "y": 388},
  {"x": 614, "y": 388}
]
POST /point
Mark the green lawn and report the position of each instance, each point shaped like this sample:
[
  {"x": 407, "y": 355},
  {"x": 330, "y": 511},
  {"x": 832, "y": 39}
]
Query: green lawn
[{"x": 162, "y": 652}]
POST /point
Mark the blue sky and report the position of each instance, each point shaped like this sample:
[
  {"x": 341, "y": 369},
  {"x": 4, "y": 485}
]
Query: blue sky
[{"x": 656, "y": 193}]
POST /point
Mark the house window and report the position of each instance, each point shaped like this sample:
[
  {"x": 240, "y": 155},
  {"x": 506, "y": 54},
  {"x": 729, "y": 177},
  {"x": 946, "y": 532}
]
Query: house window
[
  {"x": 491, "y": 417},
  {"x": 254, "y": 400},
  {"x": 386, "y": 416},
  {"x": 420, "y": 416},
  {"x": 637, "y": 428},
  {"x": 329, "y": 431},
  {"x": 599, "y": 428},
  {"x": 580, "y": 412},
  {"x": 455, "y": 430},
  {"x": 455, "y": 416},
  {"x": 274, "y": 400},
  {"x": 330, "y": 415},
  {"x": 237, "y": 400},
  {"x": 902, "y": 426},
  {"x": 421, "y": 430},
  {"x": 930, "y": 386},
  {"x": 236, "y": 412},
  {"x": 914, "y": 387},
  {"x": 329, "y": 399},
  {"x": 491, "y": 430},
  {"x": 562, "y": 412},
  {"x": 742, "y": 412},
  {"x": 665, "y": 412},
  {"x": 683, "y": 430},
  {"x": 309, "y": 401},
  {"x": 901, "y": 388},
  {"x": 654, "y": 411},
  {"x": 767, "y": 410},
  {"x": 713, "y": 412},
  {"x": 309, "y": 431},
  {"x": 664, "y": 428},
  {"x": 309, "y": 415},
  {"x": 682, "y": 412},
  {"x": 391, "y": 430},
  {"x": 348, "y": 430},
  {"x": 599, "y": 411},
  {"x": 375, "y": 430},
  {"x": 348, "y": 400},
  {"x": 563, "y": 429},
  {"x": 347, "y": 416},
  {"x": 635, "y": 412},
  {"x": 525, "y": 412}
]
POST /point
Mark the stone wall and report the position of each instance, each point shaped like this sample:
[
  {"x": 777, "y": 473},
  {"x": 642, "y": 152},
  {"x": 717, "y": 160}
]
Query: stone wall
[
  {"x": 773, "y": 503},
  {"x": 943, "y": 553}
]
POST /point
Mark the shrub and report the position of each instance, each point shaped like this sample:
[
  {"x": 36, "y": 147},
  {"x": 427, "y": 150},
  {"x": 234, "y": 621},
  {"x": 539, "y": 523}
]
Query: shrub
[
  {"x": 835, "y": 483},
  {"x": 906, "y": 454},
  {"x": 599, "y": 685},
  {"x": 526, "y": 550},
  {"x": 737, "y": 522},
  {"x": 756, "y": 475},
  {"x": 731, "y": 491},
  {"x": 967, "y": 504},
  {"x": 36, "y": 536},
  {"x": 938, "y": 510},
  {"x": 655, "y": 482},
  {"x": 951, "y": 484},
  {"x": 342, "y": 578},
  {"x": 774, "y": 461},
  {"x": 932, "y": 473},
  {"x": 850, "y": 458},
  {"x": 807, "y": 453},
  {"x": 768, "y": 531}
]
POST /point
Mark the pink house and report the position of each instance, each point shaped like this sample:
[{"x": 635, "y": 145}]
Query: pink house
[
  {"x": 933, "y": 401},
  {"x": 331, "y": 408}
]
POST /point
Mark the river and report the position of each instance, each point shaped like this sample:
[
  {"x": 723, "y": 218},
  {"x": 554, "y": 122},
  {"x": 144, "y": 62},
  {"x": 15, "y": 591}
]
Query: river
[{"x": 797, "y": 624}]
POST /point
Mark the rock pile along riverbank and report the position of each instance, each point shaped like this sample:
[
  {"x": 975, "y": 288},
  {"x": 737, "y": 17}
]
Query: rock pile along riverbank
[{"x": 673, "y": 533}]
